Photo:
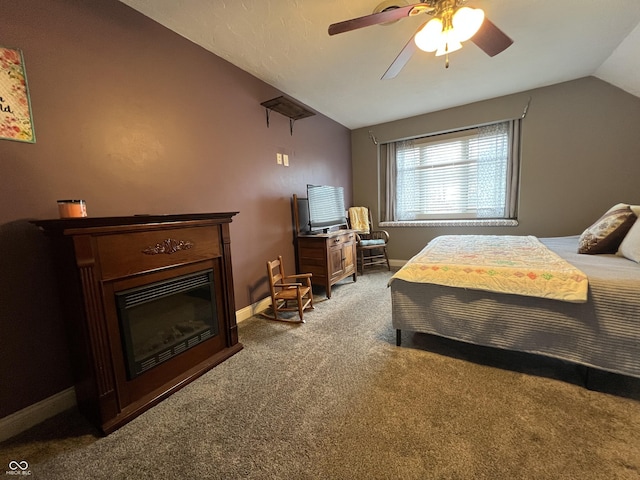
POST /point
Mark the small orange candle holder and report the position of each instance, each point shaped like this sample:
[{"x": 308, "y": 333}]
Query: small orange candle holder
[{"x": 72, "y": 208}]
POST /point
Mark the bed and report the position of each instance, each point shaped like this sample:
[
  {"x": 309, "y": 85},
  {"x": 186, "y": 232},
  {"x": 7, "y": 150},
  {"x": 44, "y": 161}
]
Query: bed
[{"x": 601, "y": 330}]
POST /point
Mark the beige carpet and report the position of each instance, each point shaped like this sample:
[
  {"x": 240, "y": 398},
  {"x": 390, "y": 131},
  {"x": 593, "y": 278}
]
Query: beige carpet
[{"x": 336, "y": 399}]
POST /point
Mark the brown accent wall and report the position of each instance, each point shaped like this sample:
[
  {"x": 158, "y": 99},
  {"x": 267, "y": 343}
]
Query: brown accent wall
[
  {"x": 580, "y": 156},
  {"x": 135, "y": 119}
]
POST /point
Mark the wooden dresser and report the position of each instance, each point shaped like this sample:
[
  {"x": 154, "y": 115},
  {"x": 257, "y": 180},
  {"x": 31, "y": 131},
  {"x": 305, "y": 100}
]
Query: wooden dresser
[{"x": 330, "y": 257}]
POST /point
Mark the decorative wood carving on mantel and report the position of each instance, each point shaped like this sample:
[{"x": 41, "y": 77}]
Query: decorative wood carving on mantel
[{"x": 168, "y": 247}]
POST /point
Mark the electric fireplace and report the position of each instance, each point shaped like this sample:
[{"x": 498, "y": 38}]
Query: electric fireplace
[
  {"x": 149, "y": 303},
  {"x": 163, "y": 319}
]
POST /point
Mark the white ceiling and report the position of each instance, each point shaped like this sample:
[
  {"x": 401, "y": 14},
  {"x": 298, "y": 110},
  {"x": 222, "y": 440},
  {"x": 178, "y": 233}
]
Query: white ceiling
[{"x": 285, "y": 43}]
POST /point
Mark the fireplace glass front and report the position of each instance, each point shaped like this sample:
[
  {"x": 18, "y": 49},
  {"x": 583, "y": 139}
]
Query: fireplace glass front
[{"x": 161, "y": 320}]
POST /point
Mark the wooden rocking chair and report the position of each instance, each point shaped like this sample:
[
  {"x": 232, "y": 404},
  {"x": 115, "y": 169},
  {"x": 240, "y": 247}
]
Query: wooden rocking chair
[{"x": 289, "y": 293}]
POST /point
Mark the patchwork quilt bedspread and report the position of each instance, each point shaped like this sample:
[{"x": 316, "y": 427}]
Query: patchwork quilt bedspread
[{"x": 520, "y": 265}]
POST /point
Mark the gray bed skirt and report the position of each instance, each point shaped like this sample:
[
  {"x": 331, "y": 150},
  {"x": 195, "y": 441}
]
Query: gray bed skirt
[{"x": 603, "y": 333}]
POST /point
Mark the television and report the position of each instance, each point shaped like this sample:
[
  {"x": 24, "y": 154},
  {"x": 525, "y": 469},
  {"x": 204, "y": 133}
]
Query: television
[{"x": 326, "y": 208}]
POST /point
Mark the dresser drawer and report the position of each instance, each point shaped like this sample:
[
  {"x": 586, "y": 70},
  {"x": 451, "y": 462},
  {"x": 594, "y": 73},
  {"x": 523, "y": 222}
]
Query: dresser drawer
[
  {"x": 340, "y": 239},
  {"x": 125, "y": 254}
]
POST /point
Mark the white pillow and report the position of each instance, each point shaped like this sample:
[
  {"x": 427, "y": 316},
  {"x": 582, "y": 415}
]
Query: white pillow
[{"x": 630, "y": 246}]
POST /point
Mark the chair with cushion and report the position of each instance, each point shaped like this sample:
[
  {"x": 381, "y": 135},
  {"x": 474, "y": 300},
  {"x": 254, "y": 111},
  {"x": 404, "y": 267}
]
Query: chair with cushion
[
  {"x": 371, "y": 244},
  {"x": 289, "y": 293}
]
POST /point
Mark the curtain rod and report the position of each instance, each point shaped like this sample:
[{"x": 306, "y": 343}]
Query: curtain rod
[{"x": 526, "y": 108}]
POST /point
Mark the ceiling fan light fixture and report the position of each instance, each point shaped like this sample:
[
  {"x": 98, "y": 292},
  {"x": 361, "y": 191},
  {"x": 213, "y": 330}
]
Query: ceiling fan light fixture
[
  {"x": 429, "y": 37},
  {"x": 444, "y": 35},
  {"x": 466, "y": 22}
]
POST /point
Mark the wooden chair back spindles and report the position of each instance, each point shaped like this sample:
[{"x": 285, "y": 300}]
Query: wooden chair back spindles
[
  {"x": 289, "y": 293},
  {"x": 371, "y": 244}
]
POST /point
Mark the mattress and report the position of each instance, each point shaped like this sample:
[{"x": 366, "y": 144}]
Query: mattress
[{"x": 603, "y": 332}]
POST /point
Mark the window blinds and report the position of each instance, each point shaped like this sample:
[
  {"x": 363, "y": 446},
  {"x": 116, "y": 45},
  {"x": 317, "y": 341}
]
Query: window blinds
[{"x": 462, "y": 174}]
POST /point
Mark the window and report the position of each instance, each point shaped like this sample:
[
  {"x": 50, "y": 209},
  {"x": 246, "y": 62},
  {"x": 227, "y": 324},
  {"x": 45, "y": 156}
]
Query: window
[{"x": 467, "y": 174}]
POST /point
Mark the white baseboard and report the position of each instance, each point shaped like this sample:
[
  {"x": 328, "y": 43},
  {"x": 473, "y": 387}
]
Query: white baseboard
[
  {"x": 38, "y": 412},
  {"x": 251, "y": 310}
]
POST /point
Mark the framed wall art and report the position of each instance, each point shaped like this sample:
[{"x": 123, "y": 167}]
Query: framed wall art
[{"x": 16, "y": 122}]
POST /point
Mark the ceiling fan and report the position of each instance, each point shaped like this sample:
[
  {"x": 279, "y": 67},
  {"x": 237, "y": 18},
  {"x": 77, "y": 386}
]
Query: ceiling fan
[{"x": 452, "y": 23}]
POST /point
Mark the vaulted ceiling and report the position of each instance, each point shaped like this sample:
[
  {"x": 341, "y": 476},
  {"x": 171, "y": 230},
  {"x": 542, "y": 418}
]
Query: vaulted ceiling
[{"x": 285, "y": 43}]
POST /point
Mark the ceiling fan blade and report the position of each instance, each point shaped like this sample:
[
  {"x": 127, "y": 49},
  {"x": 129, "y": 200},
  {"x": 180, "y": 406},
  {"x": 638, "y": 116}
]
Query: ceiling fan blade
[
  {"x": 491, "y": 39},
  {"x": 403, "y": 57},
  {"x": 376, "y": 18}
]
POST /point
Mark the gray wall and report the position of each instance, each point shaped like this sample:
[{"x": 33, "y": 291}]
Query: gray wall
[
  {"x": 580, "y": 156},
  {"x": 134, "y": 118}
]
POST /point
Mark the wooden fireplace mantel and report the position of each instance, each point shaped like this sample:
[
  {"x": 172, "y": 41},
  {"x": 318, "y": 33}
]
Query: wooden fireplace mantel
[{"x": 98, "y": 257}]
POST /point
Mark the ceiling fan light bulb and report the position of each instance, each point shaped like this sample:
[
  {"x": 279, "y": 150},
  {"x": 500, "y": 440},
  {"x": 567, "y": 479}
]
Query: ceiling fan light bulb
[
  {"x": 429, "y": 37},
  {"x": 466, "y": 22}
]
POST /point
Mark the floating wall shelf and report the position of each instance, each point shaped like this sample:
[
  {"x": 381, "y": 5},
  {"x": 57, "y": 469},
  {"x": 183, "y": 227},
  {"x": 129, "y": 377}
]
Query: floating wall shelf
[{"x": 287, "y": 107}]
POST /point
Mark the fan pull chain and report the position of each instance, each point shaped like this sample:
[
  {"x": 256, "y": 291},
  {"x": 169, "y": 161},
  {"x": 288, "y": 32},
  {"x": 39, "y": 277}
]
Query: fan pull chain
[{"x": 446, "y": 61}]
